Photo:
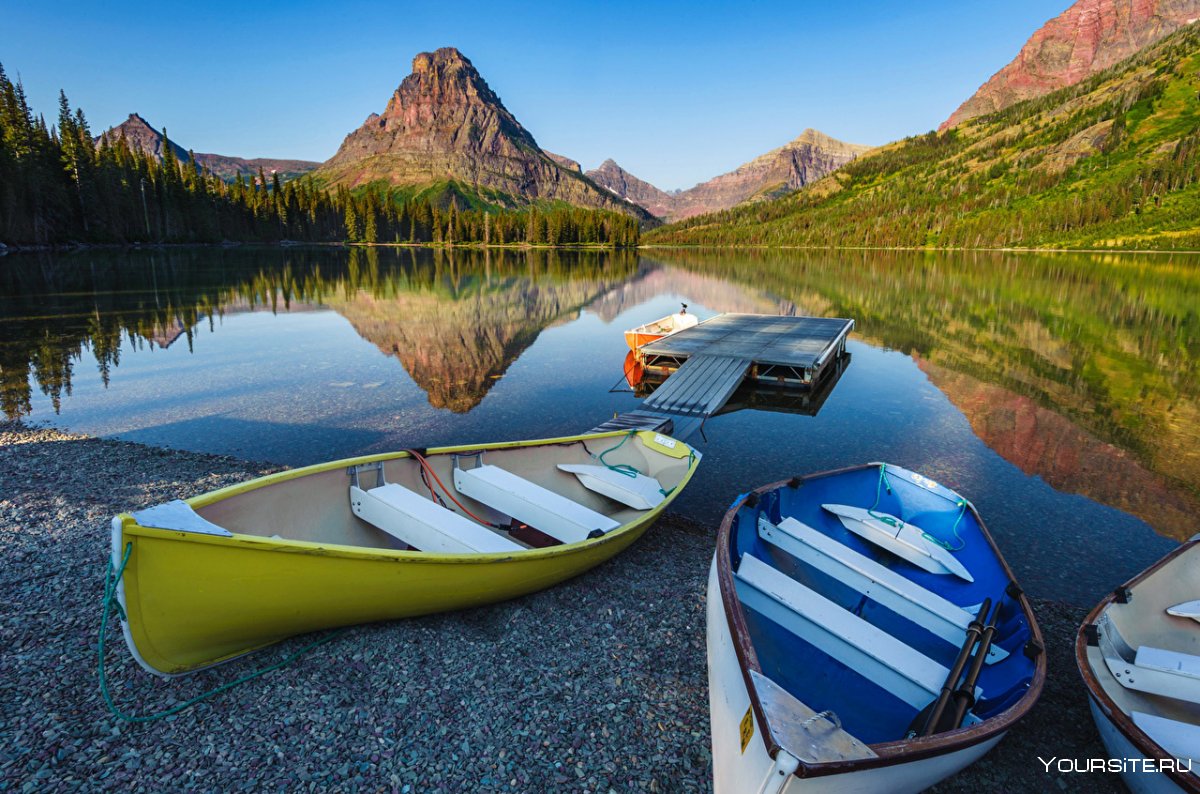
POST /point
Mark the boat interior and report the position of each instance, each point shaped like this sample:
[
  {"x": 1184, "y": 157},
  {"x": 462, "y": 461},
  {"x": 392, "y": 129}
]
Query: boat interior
[
  {"x": 491, "y": 499},
  {"x": 851, "y": 629},
  {"x": 1145, "y": 654},
  {"x": 669, "y": 324}
]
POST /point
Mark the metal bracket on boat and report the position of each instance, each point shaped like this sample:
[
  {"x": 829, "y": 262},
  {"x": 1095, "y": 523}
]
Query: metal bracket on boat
[
  {"x": 1091, "y": 633},
  {"x": 478, "y": 456},
  {"x": 1122, "y": 595},
  {"x": 376, "y": 467}
]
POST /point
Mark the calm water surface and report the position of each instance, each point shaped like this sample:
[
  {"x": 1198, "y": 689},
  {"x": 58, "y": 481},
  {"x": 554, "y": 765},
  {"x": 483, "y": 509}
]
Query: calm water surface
[{"x": 1059, "y": 392}]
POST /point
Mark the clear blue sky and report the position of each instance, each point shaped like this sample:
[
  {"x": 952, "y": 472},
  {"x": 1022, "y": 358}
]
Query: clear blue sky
[{"x": 676, "y": 92}]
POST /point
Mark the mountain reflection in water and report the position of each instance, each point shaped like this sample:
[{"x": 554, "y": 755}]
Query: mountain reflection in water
[{"x": 1079, "y": 369}]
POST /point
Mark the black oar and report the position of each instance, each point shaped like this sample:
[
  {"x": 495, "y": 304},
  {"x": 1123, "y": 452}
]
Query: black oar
[
  {"x": 974, "y": 630},
  {"x": 964, "y": 696}
]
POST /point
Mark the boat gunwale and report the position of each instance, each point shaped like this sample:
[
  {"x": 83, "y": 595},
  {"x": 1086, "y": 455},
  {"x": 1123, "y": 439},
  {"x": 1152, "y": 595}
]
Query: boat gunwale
[
  {"x": 129, "y": 523},
  {"x": 886, "y": 753},
  {"x": 1120, "y": 720}
]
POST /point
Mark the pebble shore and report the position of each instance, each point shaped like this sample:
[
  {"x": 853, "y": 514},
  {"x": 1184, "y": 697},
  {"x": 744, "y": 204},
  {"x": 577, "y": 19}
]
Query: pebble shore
[{"x": 596, "y": 685}]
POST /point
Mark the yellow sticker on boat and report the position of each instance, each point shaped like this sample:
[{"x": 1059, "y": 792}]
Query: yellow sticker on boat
[
  {"x": 747, "y": 728},
  {"x": 664, "y": 444}
]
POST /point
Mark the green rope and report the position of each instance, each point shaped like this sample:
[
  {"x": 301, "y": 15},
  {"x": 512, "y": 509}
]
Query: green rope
[
  {"x": 879, "y": 486},
  {"x": 962, "y": 544},
  {"x": 111, "y": 604},
  {"x": 671, "y": 490},
  {"x": 620, "y": 468},
  {"x": 895, "y": 522}
]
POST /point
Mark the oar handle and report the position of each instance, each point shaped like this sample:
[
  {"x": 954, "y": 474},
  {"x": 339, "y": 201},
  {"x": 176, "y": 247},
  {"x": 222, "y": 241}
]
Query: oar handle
[{"x": 974, "y": 630}]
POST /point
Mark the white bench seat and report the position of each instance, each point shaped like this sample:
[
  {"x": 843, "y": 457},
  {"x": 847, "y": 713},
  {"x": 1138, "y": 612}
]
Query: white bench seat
[
  {"x": 876, "y": 655},
  {"x": 877, "y": 582},
  {"x": 1155, "y": 671},
  {"x": 530, "y": 503},
  {"x": 1182, "y": 664},
  {"x": 419, "y": 522},
  {"x": 1178, "y": 739}
]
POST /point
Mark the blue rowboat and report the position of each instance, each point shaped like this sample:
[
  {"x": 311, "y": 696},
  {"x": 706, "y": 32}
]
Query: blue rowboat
[{"x": 841, "y": 659}]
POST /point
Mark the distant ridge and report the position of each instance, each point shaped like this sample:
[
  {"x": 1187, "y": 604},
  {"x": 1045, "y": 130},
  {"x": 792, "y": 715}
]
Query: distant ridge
[
  {"x": 140, "y": 134},
  {"x": 1111, "y": 162},
  {"x": 813, "y": 155},
  {"x": 620, "y": 182}
]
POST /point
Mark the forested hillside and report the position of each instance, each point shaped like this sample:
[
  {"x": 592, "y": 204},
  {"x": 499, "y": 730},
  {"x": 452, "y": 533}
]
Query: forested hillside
[
  {"x": 1113, "y": 161},
  {"x": 58, "y": 186}
]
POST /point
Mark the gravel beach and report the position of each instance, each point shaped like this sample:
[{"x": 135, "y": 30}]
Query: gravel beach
[{"x": 596, "y": 685}]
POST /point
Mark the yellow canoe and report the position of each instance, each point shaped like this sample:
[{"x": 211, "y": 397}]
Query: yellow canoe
[{"x": 382, "y": 537}]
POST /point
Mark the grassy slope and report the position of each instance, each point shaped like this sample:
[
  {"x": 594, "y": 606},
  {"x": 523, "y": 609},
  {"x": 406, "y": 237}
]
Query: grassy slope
[{"x": 1111, "y": 162}]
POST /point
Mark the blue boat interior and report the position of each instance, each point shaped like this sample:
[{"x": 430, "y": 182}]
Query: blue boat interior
[{"x": 826, "y": 672}]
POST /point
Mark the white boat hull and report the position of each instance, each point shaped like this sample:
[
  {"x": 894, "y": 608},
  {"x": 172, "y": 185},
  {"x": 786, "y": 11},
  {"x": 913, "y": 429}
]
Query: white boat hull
[
  {"x": 753, "y": 771},
  {"x": 1120, "y": 747}
]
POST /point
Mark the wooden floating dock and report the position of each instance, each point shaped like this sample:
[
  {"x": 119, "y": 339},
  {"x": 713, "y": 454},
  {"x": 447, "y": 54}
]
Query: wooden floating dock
[{"x": 707, "y": 363}]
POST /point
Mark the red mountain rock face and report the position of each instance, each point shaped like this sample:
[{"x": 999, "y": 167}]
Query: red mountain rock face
[
  {"x": 1088, "y": 37},
  {"x": 565, "y": 162},
  {"x": 444, "y": 123}
]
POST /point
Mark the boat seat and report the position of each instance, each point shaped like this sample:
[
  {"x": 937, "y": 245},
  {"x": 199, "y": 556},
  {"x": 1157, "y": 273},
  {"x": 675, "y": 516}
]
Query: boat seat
[
  {"x": 530, "y": 503},
  {"x": 420, "y": 522},
  {"x": 876, "y": 655},
  {"x": 1182, "y": 664},
  {"x": 1155, "y": 671},
  {"x": 639, "y": 491},
  {"x": 1188, "y": 609},
  {"x": 877, "y": 582},
  {"x": 178, "y": 515},
  {"x": 1178, "y": 739}
]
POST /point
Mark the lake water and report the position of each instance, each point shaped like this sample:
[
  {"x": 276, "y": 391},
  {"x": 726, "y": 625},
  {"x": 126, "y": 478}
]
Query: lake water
[{"x": 1060, "y": 393}]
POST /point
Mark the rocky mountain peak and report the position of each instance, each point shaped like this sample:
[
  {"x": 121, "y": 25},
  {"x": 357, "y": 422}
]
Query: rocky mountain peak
[
  {"x": 445, "y": 124},
  {"x": 136, "y": 120},
  {"x": 140, "y": 134},
  {"x": 1087, "y": 38},
  {"x": 443, "y": 58}
]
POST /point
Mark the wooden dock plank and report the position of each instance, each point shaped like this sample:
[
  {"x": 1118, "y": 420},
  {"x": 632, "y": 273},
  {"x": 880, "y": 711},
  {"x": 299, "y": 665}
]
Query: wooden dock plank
[
  {"x": 715, "y": 356},
  {"x": 700, "y": 386},
  {"x": 636, "y": 420}
]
